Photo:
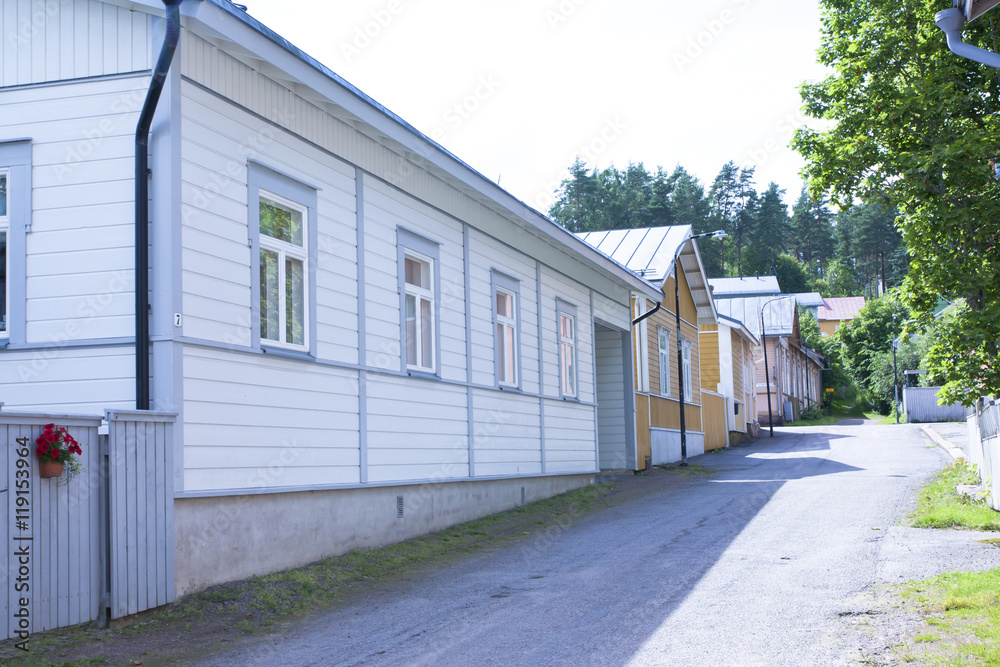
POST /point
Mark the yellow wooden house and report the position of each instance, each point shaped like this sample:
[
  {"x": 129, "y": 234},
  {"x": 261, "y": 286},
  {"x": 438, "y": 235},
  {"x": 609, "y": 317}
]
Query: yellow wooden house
[
  {"x": 650, "y": 253},
  {"x": 729, "y": 403}
]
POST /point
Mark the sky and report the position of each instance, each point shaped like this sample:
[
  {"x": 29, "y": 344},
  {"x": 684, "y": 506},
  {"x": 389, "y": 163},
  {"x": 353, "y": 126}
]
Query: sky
[{"x": 518, "y": 89}]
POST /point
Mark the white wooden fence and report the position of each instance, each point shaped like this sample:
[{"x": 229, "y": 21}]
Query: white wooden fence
[
  {"x": 95, "y": 547},
  {"x": 920, "y": 404},
  {"x": 984, "y": 445}
]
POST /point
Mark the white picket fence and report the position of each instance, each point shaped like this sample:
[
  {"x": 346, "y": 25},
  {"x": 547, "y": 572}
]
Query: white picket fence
[
  {"x": 984, "y": 445},
  {"x": 97, "y": 547}
]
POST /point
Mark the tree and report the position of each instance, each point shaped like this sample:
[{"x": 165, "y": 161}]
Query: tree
[
  {"x": 771, "y": 231},
  {"x": 917, "y": 129},
  {"x": 732, "y": 200},
  {"x": 868, "y": 238},
  {"x": 812, "y": 233},
  {"x": 867, "y": 341}
]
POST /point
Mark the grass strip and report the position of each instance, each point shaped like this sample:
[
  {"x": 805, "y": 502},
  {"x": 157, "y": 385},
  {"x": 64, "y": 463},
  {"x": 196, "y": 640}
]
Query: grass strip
[
  {"x": 940, "y": 506},
  {"x": 962, "y": 611}
]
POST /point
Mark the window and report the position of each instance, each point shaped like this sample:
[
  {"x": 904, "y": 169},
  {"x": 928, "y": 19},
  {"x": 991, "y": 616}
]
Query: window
[
  {"x": 4, "y": 234},
  {"x": 419, "y": 312},
  {"x": 282, "y": 230},
  {"x": 663, "y": 341},
  {"x": 283, "y": 268},
  {"x": 419, "y": 287},
  {"x": 566, "y": 315},
  {"x": 506, "y": 315},
  {"x": 686, "y": 361}
]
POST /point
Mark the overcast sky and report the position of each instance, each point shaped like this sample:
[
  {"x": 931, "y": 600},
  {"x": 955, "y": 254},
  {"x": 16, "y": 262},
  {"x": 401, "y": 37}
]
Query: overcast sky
[{"x": 517, "y": 89}]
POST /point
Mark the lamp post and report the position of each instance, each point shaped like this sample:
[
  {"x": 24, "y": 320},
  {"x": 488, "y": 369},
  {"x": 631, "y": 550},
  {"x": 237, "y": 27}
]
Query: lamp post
[
  {"x": 805, "y": 344},
  {"x": 895, "y": 381},
  {"x": 767, "y": 370},
  {"x": 719, "y": 234}
]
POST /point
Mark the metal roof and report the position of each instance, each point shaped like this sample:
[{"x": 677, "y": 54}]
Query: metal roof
[
  {"x": 739, "y": 287},
  {"x": 809, "y": 299},
  {"x": 649, "y": 253},
  {"x": 840, "y": 308},
  {"x": 779, "y": 313}
]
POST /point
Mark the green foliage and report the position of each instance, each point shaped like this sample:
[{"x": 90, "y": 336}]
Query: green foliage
[
  {"x": 867, "y": 348},
  {"x": 915, "y": 128},
  {"x": 792, "y": 275}
]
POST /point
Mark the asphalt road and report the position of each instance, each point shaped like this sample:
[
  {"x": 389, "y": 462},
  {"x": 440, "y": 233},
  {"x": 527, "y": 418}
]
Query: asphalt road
[{"x": 755, "y": 564}]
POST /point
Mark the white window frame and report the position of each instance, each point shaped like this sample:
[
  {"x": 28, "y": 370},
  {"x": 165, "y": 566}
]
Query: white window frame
[
  {"x": 420, "y": 248},
  {"x": 424, "y": 330},
  {"x": 568, "y": 373},
  {"x": 686, "y": 347},
  {"x": 5, "y": 230},
  {"x": 286, "y": 250},
  {"x": 663, "y": 345},
  {"x": 506, "y": 329}
]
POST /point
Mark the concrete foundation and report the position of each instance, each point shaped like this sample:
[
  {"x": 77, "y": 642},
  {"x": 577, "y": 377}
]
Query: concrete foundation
[{"x": 228, "y": 538}]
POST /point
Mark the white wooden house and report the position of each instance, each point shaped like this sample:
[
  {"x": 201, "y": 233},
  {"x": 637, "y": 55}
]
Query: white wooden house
[{"x": 364, "y": 338}]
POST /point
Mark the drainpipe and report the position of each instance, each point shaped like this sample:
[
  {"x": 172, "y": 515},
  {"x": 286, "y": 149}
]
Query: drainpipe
[
  {"x": 952, "y": 21},
  {"x": 170, "y": 40},
  {"x": 646, "y": 314}
]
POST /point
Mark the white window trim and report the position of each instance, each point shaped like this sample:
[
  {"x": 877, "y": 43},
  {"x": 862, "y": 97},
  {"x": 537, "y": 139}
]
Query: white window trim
[
  {"x": 285, "y": 250},
  {"x": 411, "y": 244},
  {"x": 564, "y": 309},
  {"x": 421, "y": 293},
  {"x": 511, "y": 287},
  {"x": 5, "y": 230},
  {"x": 686, "y": 347},
  {"x": 664, "y": 361}
]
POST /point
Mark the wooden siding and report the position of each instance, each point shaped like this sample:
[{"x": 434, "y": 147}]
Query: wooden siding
[
  {"x": 506, "y": 439},
  {"x": 570, "y": 437},
  {"x": 643, "y": 444},
  {"x": 665, "y": 318},
  {"x": 611, "y": 431},
  {"x": 665, "y": 413},
  {"x": 56, "y": 378},
  {"x": 70, "y": 39},
  {"x": 82, "y": 210},
  {"x": 556, "y": 286},
  {"x": 141, "y": 511},
  {"x": 487, "y": 254},
  {"x": 217, "y": 140},
  {"x": 63, "y": 529},
  {"x": 260, "y": 421},
  {"x": 333, "y": 129},
  {"x": 710, "y": 371},
  {"x": 716, "y": 421},
  {"x": 386, "y": 209},
  {"x": 417, "y": 430}
]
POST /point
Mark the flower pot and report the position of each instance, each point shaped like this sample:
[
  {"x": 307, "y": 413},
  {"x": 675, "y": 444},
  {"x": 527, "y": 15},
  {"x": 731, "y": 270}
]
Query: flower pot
[{"x": 50, "y": 469}]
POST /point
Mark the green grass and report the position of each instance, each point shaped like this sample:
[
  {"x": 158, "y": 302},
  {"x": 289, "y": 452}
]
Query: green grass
[
  {"x": 940, "y": 506},
  {"x": 963, "y": 608},
  {"x": 842, "y": 409}
]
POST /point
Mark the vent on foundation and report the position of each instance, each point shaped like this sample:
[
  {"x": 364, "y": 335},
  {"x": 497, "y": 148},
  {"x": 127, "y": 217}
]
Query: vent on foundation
[
  {"x": 522, "y": 495},
  {"x": 399, "y": 507}
]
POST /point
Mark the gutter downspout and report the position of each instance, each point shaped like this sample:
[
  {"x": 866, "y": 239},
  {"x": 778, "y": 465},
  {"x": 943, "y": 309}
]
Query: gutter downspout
[
  {"x": 952, "y": 21},
  {"x": 170, "y": 39},
  {"x": 646, "y": 314}
]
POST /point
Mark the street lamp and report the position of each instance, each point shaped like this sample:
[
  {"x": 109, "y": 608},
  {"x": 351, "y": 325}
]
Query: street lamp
[
  {"x": 895, "y": 381},
  {"x": 719, "y": 234},
  {"x": 767, "y": 370}
]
